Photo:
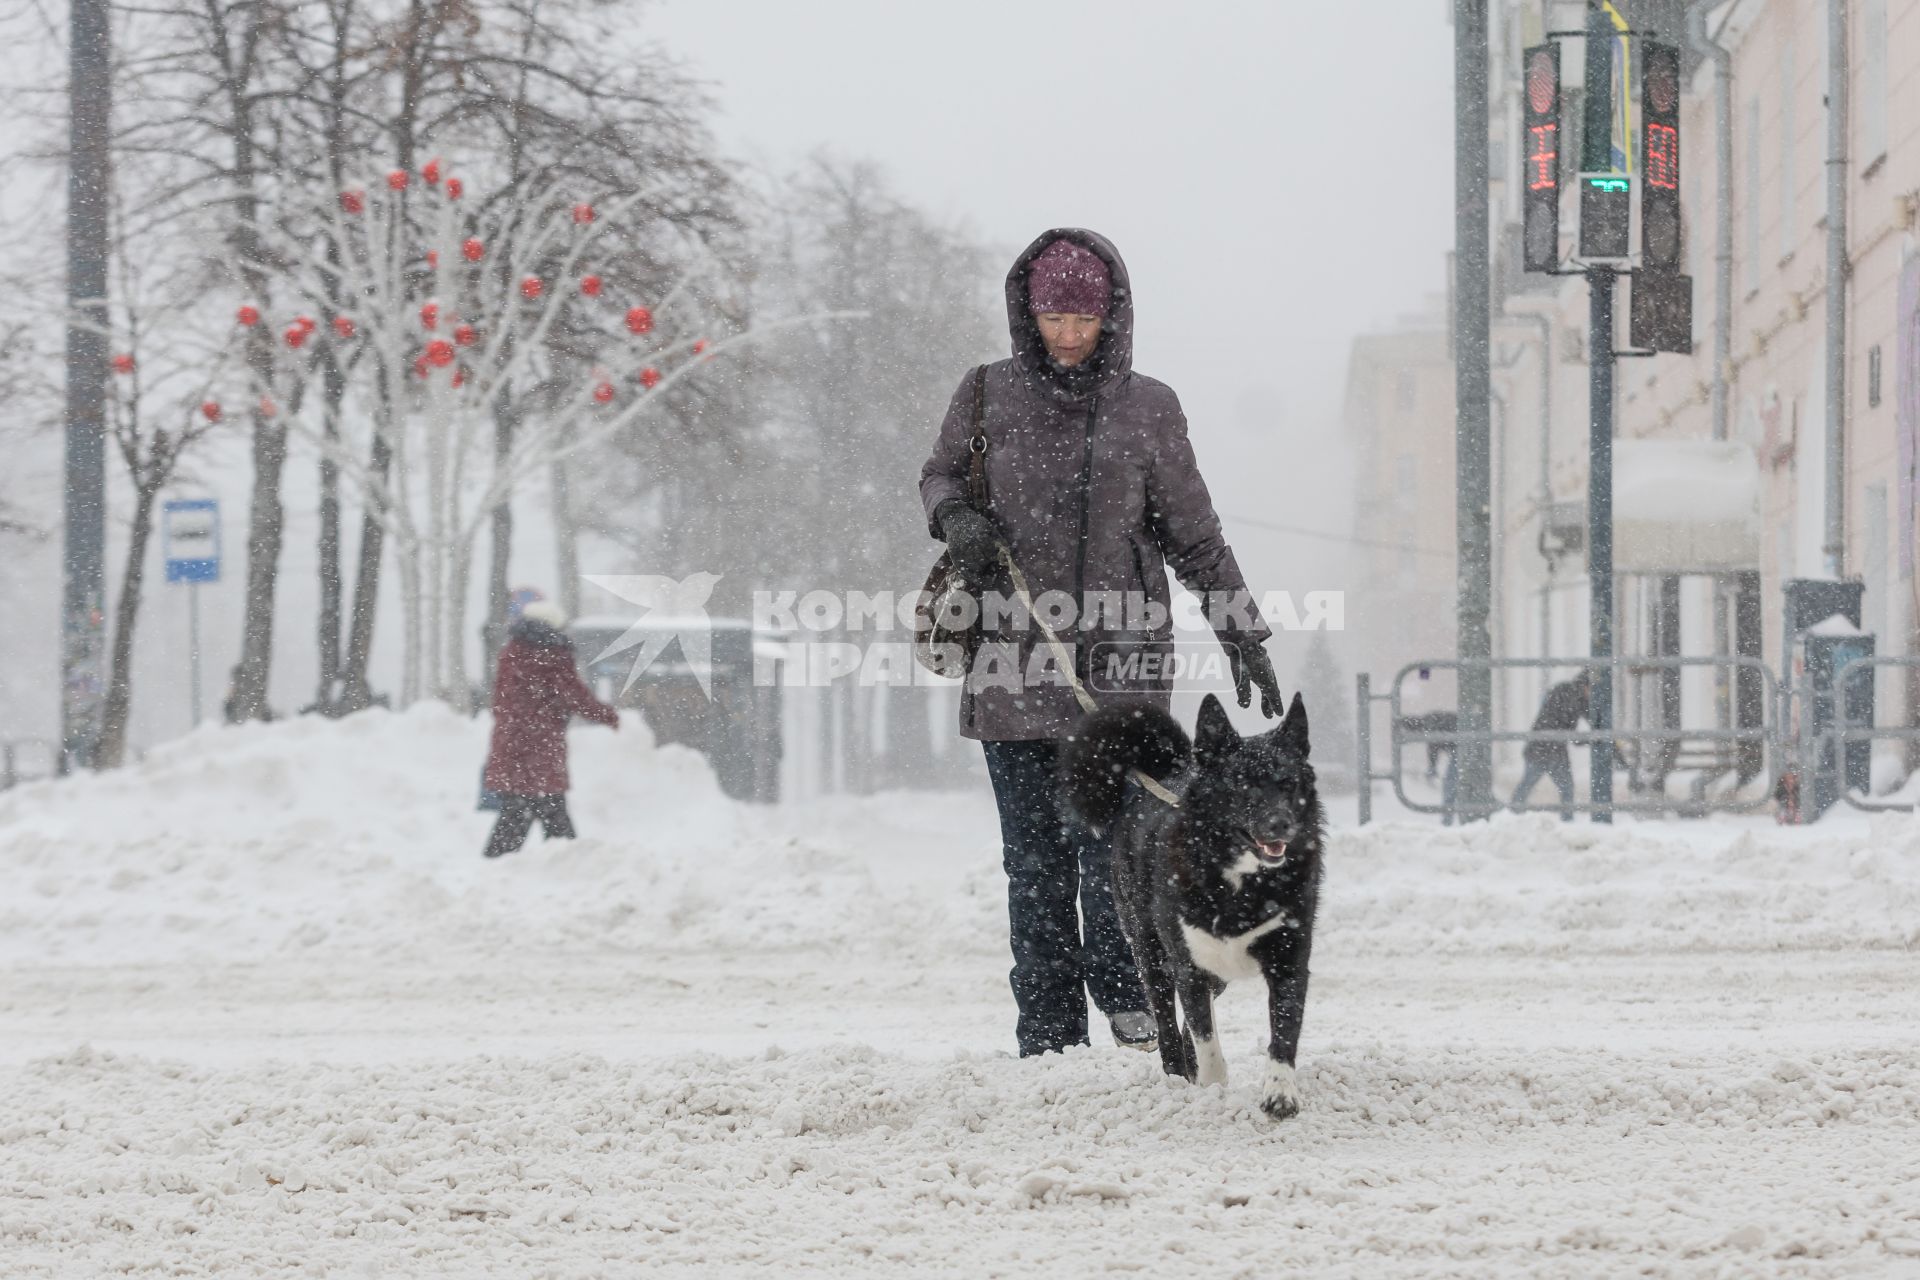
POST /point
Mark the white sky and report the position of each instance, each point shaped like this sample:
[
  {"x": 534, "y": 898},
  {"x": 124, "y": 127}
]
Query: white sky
[{"x": 1277, "y": 174}]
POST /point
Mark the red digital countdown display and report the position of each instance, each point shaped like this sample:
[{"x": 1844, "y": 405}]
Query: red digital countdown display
[
  {"x": 1663, "y": 157},
  {"x": 1543, "y": 157},
  {"x": 1661, "y": 242},
  {"x": 1540, "y": 174}
]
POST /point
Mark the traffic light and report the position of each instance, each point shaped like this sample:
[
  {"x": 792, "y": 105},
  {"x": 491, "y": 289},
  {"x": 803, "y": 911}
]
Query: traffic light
[
  {"x": 1661, "y": 315},
  {"x": 1540, "y": 229},
  {"x": 1660, "y": 157},
  {"x": 1606, "y": 211}
]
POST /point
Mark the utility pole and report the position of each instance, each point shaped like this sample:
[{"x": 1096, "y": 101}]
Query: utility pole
[
  {"x": 83, "y": 597},
  {"x": 1472, "y": 304},
  {"x": 1833, "y": 542}
]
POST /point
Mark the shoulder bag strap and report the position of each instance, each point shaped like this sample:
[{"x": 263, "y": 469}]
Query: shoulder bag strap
[{"x": 977, "y": 443}]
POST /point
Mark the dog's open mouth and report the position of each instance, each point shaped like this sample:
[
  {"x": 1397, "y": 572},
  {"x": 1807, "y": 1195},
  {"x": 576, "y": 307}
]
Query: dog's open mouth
[{"x": 1273, "y": 853}]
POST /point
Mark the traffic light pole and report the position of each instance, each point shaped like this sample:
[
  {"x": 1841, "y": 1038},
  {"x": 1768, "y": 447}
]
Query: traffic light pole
[
  {"x": 1473, "y": 456},
  {"x": 1600, "y": 532},
  {"x": 1662, "y": 312}
]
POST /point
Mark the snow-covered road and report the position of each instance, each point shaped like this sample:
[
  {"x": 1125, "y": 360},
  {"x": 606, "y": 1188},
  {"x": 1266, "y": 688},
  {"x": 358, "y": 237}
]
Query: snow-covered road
[{"x": 264, "y": 1010}]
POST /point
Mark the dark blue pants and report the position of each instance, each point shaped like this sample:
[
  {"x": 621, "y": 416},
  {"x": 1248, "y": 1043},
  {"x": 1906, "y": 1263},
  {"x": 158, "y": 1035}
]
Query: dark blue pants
[
  {"x": 1054, "y": 865},
  {"x": 1560, "y": 769}
]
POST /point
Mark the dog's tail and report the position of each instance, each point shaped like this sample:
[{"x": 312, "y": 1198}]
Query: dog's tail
[{"x": 1108, "y": 744}]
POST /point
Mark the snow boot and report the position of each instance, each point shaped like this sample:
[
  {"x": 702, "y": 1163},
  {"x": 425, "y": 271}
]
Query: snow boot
[{"x": 1135, "y": 1031}]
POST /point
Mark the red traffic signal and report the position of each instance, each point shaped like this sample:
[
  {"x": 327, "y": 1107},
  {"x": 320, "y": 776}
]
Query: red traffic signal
[
  {"x": 1660, "y": 239},
  {"x": 1540, "y": 170}
]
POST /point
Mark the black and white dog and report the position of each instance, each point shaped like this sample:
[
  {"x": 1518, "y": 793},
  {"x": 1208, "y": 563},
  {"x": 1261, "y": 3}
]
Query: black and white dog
[{"x": 1221, "y": 885}]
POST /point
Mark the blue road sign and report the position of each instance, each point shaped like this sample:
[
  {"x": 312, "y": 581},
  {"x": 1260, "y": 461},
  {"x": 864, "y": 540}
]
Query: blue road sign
[{"x": 190, "y": 538}]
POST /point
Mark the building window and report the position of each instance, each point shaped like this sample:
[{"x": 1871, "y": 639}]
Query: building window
[
  {"x": 1406, "y": 391},
  {"x": 1873, "y": 82},
  {"x": 1406, "y": 477},
  {"x": 1873, "y": 376}
]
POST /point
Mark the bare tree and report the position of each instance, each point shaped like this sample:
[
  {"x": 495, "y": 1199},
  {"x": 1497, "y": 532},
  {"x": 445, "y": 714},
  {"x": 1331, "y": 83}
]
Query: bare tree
[
  {"x": 25, "y": 389},
  {"x": 524, "y": 317},
  {"x": 263, "y": 105},
  {"x": 870, "y": 395},
  {"x": 798, "y": 470},
  {"x": 153, "y": 422}
]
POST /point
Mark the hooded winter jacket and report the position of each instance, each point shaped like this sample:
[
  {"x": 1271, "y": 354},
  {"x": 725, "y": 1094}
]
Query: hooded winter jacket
[
  {"x": 535, "y": 691},
  {"x": 1092, "y": 480}
]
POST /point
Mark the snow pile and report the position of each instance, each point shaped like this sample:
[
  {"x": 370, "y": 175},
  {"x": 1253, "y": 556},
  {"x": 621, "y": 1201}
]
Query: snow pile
[
  {"x": 1532, "y": 884},
  {"x": 849, "y": 1162},
  {"x": 361, "y": 837},
  {"x": 332, "y": 1039}
]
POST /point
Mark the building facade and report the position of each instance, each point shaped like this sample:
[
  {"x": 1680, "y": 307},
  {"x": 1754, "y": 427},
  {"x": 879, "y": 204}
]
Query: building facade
[{"x": 1759, "y": 504}]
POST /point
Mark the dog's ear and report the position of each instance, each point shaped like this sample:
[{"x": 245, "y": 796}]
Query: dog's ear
[
  {"x": 1292, "y": 732},
  {"x": 1214, "y": 738}
]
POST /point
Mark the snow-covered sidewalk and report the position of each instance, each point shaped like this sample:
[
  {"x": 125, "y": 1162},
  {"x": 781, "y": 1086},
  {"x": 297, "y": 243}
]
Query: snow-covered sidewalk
[{"x": 264, "y": 1008}]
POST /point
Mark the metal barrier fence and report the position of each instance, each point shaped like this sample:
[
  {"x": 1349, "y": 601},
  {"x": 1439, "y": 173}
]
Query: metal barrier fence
[
  {"x": 10, "y": 775},
  {"x": 1831, "y": 750},
  {"x": 1765, "y": 737}
]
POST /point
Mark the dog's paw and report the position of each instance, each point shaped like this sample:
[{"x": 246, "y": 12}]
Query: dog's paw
[
  {"x": 1210, "y": 1064},
  {"x": 1281, "y": 1098}
]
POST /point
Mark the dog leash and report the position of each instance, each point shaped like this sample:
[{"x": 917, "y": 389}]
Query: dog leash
[{"x": 1064, "y": 657}]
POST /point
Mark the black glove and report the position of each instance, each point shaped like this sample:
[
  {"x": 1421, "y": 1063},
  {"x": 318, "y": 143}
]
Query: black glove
[
  {"x": 973, "y": 541},
  {"x": 1253, "y": 669}
]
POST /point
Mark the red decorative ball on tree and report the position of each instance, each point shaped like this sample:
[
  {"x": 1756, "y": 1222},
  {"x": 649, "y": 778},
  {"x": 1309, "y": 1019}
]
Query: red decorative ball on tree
[
  {"x": 397, "y": 179},
  {"x": 123, "y": 363},
  {"x": 353, "y": 201},
  {"x": 454, "y": 188},
  {"x": 472, "y": 249},
  {"x": 649, "y": 377},
  {"x": 430, "y": 172},
  {"x": 459, "y": 377},
  {"x": 465, "y": 335},
  {"x": 296, "y": 336},
  {"x": 429, "y": 315},
  {"x": 343, "y": 326},
  {"x": 268, "y": 408},
  {"x": 439, "y": 353},
  {"x": 306, "y": 322},
  {"x": 433, "y": 257},
  {"x": 699, "y": 346},
  {"x": 583, "y": 214},
  {"x": 603, "y": 392},
  {"x": 420, "y": 366},
  {"x": 531, "y": 286},
  {"x": 248, "y": 315},
  {"x": 639, "y": 320},
  {"x": 590, "y": 285},
  {"x": 210, "y": 410}
]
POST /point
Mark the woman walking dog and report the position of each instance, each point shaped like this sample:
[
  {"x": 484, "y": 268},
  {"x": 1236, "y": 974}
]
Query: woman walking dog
[{"x": 1094, "y": 490}]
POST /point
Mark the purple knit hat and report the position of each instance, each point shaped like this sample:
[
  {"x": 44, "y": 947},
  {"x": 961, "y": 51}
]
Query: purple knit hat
[{"x": 1069, "y": 279}]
